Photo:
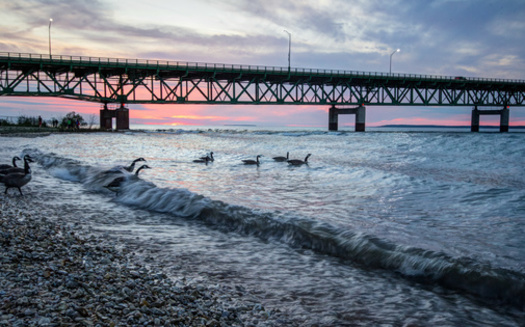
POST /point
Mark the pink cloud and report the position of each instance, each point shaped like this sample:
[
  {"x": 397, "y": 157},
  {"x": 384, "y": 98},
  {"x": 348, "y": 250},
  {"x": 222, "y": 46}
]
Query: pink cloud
[{"x": 261, "y": 115}]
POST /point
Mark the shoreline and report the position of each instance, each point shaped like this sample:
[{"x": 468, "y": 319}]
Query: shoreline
[
  {"x": 55, "y": 273},
  {"x": 33, "y": 132},
  {"x": 25, "y": 131}
]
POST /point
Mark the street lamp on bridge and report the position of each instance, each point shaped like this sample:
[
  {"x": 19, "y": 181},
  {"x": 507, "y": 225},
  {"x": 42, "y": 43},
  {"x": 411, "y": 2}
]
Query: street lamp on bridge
[
  {"x": 50, "y": 21},
  {"x": 391, "y": 59},
  {"x": 289, "y": 47}
]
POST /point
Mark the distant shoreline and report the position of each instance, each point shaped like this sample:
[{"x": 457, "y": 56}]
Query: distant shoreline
[
  {"x": 443, "y": 126},
  {"x": 241, "y": 125},
  {"x": 23, "y": 131}
]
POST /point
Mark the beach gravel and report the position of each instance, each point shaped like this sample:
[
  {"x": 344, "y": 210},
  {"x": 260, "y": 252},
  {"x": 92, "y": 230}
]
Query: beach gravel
[{"x": 55, "y": 274}]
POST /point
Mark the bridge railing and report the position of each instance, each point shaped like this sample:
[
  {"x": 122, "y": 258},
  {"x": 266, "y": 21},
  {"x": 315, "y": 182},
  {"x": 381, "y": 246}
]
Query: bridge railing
[{"x": 166, "y": 64}]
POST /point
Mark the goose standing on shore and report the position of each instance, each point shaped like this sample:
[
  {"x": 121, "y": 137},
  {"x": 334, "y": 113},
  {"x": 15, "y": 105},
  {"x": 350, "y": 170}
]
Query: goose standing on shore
[
  {"x": 17, "y": 179},
  {"x": 132, "y": 166},
  {"x": 117, "y": 182},
  {"x": 252, "y": 162},
  {"x": 281, "y": 159},
  {"x": 297, "y": 162},
  {"x": 15, "y": 169},
  {"x": 4, "y": 166}
]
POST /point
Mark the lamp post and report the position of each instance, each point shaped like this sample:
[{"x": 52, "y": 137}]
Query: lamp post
[
  {"x": 391, "y": 59},
  {"x": 289, "y": 47},
  {"x": 50, "y": 21}
]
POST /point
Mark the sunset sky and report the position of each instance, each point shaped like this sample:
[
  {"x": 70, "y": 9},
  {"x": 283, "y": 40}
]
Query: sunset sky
[{"x": 473, "y": 38}]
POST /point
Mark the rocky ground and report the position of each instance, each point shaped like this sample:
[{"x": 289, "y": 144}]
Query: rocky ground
[{"x": 57, "y": 274}]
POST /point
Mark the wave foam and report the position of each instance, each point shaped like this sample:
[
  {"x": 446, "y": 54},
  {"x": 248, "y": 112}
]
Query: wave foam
[{"x": 463, "y": 274}]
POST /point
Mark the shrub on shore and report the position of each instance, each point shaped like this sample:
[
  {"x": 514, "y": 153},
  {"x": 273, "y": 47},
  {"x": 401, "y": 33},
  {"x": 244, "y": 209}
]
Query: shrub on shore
[
  {"x": 26, "y": 124},
  {"x": 5, "y": 122},
  {"x": 23, "y": 121},
  {"x": 71, "y": 121},
  {"x": 30, "y": 121}
]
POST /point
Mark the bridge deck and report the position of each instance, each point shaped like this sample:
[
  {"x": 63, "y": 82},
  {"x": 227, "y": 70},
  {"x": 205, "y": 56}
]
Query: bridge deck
[{"x": 156, "y": 81}]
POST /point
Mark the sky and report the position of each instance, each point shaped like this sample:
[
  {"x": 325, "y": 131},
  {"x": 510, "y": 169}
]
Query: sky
[{"x": 472, "y": 38}]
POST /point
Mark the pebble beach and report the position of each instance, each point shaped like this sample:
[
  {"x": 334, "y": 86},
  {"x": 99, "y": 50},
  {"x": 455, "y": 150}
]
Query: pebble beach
[{"x": 58, "y": 273}]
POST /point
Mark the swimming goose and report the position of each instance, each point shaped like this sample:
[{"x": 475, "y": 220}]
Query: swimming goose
[
  {"x": 252, "y": 162},
  {"x": 297, "y": 162},
  {"x": 17, "y": 179},
  {"x": 281, "y": 159},
  {"x": 210, "y": 157},
  {"x": 202, "y": 160},
  {"x": 4, "y": 166},
  {"x": 117, "y": 182},
  {"x": 15, "y": 169},
  {"x": 132, "y": 166}
]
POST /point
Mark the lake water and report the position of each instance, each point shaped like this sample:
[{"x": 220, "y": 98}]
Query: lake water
[{"x": 380, "y": 228}]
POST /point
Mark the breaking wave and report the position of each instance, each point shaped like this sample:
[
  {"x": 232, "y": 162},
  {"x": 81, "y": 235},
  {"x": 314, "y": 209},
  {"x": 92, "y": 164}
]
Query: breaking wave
[{"x": 462, "y": 274}]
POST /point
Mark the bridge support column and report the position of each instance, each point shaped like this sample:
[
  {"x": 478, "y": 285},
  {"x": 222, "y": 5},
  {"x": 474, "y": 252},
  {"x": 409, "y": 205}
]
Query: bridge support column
[
  {"x": 360, "y": 117},
  {"x": 474, "y": 122},
  {"x": 333, "y": 119},
  {"x": 504, "y": 115},
  {"x": 106, "y": 117},
  {"x": 121, "y": 114},
  {"x": 504, "y": 120}
]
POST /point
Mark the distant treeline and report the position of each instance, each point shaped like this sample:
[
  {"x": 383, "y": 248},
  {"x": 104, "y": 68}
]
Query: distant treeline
[
  {"x": 71, "y": 121},
  {"x": 22, "y": 121}
]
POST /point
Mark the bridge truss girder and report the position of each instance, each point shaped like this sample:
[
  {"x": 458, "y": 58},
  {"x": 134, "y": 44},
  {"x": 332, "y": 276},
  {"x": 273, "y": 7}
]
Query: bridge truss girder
[{"x": 149, "y": 87}]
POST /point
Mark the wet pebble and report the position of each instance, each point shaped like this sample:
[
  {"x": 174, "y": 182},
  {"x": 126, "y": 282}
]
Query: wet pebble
[{"x": 53, "y": 275}]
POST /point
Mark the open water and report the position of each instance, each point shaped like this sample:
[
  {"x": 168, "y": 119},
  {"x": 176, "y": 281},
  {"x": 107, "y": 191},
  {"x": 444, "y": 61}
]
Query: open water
[{"x": 379, "y": 229}]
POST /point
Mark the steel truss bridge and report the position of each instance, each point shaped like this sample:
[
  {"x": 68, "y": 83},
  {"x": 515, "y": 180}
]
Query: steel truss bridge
[{"x": 126, "y": 81}]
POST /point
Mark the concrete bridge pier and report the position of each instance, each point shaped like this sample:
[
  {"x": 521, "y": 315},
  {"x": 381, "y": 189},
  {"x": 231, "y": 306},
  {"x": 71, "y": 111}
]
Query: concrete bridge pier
[
  {"x": 106, "y": 117},
  {"x": 360, "y": 117},
  {"x": 121, "y": 114},
  {"x": 504, "y": 115}
]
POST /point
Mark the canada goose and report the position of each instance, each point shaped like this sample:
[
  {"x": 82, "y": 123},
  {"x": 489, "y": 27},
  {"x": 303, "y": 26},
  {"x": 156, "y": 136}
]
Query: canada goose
[
  {"x": 140, "y": 168},
  {"x": 297, "y": 162},
  {"x": 210, "y": 157},
  {"x": 252, "y": 162},
  {"x": 132, "y": 166},
  {"x": 15, "y": 169},
  {"x": 281, "y": 159},
  {"x": 4, "y": 166},
  {"x": 17, "y": 179},
  {"x": 115, "y": 184},
  {"x": 202, "y": 160}
]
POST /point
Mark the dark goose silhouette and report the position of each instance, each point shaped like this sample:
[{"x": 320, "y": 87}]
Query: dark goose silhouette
[
  {"x": 297, "y": 162},
  {"x": 203, "y": 160},
  {"x": 281, "y": 159},
  {"x": 132, "y": 166},
  {"x": 210, "y": 157},
  {"x": 17, "y": 179},
  {"x": 15, "y": 169},
  {"x": 115, "y": 184},
  {"x": 4, "y": 166},
  {"x": 252, "y": 162}
]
